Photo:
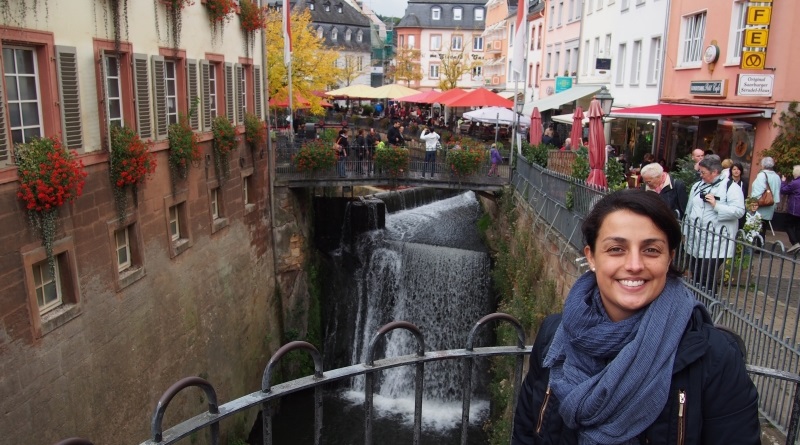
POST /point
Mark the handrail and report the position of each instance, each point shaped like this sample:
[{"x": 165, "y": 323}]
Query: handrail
[{"x": 171, "y": 392}]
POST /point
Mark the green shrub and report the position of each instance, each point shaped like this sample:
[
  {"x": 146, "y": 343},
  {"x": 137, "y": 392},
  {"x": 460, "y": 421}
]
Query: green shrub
[
  {"x": 392, "y": 160},
  {"x": 467, "y": 161},
  {"x": 315, "y": 155}
]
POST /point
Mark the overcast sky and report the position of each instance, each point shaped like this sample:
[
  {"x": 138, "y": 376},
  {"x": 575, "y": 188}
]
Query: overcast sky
[{"x": 392, "y": 8}]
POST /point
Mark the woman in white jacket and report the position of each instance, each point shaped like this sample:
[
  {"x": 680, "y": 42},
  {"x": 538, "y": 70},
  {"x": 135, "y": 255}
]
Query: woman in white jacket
[{"x": 712, "y": 217}]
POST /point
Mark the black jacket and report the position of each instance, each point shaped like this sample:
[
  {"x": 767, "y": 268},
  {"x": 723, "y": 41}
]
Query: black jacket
[
  {"x": 720, "y": 400},
  {"x": 394, "y": 137},
  {"x": 675, "y": 196}
]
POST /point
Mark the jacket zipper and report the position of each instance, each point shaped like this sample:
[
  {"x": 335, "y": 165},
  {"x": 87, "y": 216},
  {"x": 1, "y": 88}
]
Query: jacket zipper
[
  {"x": 681, "y": 416},
  {"x": 542, "y": 410}
]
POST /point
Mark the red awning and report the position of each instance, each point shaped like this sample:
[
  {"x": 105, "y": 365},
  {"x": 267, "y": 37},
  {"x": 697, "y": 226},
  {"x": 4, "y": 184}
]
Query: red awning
[{"x": 681, "y": 110}]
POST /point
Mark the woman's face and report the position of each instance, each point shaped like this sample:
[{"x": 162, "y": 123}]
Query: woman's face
[
  {"x": 630, "y": 260},
  {"x": 735, "y": 172}
]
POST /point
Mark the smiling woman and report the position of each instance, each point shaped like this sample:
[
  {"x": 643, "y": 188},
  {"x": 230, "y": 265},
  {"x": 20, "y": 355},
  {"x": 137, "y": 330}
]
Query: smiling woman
[{"x": 634, "y": 357}]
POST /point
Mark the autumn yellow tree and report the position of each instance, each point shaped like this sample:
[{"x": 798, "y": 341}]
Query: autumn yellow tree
[
  {"x": 353, "y": 68},
  {"x": 406, "y": 66},
  {"x": 452, "y": 65},
  {"x": 313, "y": 65}
]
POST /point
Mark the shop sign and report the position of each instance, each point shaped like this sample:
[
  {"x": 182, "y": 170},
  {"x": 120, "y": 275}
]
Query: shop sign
[
  {"x": 563, "y": 84},
  {"x": 755, "y": 85},
  {"x": 715, "y": 88},
  {"x": 756, "y": 36}
]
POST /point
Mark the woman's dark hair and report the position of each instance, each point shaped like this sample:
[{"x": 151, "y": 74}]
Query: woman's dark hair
[
  {"x": 739, "y": 166},
  {"x": 640, "y": 202}
]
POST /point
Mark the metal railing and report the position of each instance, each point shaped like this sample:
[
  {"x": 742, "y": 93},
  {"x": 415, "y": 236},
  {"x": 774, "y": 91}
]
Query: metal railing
[
  {"x": 754, "y": 290},
  {"x": 262, "y": 399}
]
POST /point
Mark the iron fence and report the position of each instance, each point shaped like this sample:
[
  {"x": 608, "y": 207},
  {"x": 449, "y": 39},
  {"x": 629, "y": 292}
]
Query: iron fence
[{"x": 751, "y": 288}]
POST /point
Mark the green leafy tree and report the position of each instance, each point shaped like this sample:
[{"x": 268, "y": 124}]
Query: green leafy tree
[
  {"x": 406, "y": 66},
  {"x": 785, "y": 149}
]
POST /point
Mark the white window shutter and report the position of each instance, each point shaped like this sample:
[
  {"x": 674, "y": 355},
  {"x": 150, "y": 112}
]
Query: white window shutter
[
  {"x": 144, "y": 121},
  {"x": 230, "y": 97},
  {"x": 257, "y": 91},
  {"x": 69, "y": 96},
  {"x": 160, "y": 97},
  {"x": 193, "y": 93}
]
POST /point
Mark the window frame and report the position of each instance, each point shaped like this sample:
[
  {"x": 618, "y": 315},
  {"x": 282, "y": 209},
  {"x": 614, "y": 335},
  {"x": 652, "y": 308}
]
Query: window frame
[
  {"x": 622, "y": 54},
  {"x": 690, "y": 43},
  {"x": 19, "y": 101},
  {"x": 636, "y": 63},
  {"x": 125, "y": 277},
  {"x": 43, "y": 323},
  {"x": 737, "y": 31},
  {"x": 477, "y": 42},
  {"x": 214, "y": 63},
  {"x": 479, "y": 14},
  {"x": 431, "y": 71},
  {"x": 217, "y": 206},
  {"x": 44, "y": 47},
  {"x": 436, "y": 13},
  {"x": 183, "y": 241},
  {"x": 160, "y": 99},
  {"x": 436, "y": 47},
  {"x": 249, "y": 196},
  {"x": 458, "y": 14},
  {"x": 655, "y": 60},
  {"x": 457, "y": 38}
]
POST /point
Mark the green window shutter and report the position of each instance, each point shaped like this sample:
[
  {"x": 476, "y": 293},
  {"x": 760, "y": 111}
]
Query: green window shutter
[
  {"x": 230, "y": 97},
  {"x": 69, "y": 96},
  {"x": 144, "y": 118},
  {"x": 160, "y": 97},
  {"x": 205, "y": 68},
  {"x": 193, "y": 93}
]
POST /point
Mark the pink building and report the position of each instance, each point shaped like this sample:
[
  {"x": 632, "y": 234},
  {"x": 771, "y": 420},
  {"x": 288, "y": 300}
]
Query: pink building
[{"x": 729, "y": 72}]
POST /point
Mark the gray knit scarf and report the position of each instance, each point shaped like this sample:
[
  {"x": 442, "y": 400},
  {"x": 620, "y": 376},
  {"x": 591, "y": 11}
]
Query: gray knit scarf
[{"x": 613, "y": 379}]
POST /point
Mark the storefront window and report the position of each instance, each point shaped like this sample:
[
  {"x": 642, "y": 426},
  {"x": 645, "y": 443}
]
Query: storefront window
[{"x": 633, "y": 137}]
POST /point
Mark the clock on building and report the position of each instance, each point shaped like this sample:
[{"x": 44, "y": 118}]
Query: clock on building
[{"x": 711, "y": 54}]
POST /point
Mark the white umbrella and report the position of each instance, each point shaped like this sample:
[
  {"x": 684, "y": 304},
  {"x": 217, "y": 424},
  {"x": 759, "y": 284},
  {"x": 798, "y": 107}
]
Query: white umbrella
[{"x": 493, "y": 115}]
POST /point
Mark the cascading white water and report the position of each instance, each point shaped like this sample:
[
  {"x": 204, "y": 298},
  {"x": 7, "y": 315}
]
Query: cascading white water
[{"x": 428, "y": 267}]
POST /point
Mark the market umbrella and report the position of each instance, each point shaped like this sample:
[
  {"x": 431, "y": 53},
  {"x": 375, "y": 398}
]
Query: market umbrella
[
  {"x": 577, "y": 128},
  {"x": 449, "y": 94},
  {"x": 392, "y": 91},
  {"x": 493, "y": 115},
  {"x": 425, "y": 97},
  {"x": 480, "y": 97},
  {"x": 281, "y": 100},
  {"x": 597, "y": 146},
  {"x": 352, "y": 91},
  {"x": 536, "y": 127}
]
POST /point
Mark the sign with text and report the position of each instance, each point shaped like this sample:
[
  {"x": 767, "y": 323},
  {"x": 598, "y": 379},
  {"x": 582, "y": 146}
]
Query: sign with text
[
  {"x": 756, "y": 36},
  {"x": 563, "y": 84},
  {"x": 713, "y": 88},
  {"x": 755, "y": 85}
]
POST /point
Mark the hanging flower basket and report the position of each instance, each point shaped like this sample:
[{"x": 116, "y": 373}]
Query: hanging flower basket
[
  {"x": 255, "y": 133},
  {"x": 251, "y": 17},
  {"x": 316, "y": 155},
  {"x": 183, "y": 148},
  {"x": 392, "y": 160},
  {"x": 49, "y": 177},
  {"x": 220, "y": 11},
  {"x": 224, "y": 143},
  {"x": 131, "y": 163}
]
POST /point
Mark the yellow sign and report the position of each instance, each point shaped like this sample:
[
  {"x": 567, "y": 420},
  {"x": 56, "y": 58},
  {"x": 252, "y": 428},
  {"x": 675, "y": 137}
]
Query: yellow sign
[
  {"x": 756, "y": 38},
  {"x": 753, "y": 60},
  {"x": 759, "y": 15}
]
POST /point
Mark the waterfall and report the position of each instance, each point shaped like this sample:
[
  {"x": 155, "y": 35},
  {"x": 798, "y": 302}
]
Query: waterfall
[{"x": 428, "y": 267}]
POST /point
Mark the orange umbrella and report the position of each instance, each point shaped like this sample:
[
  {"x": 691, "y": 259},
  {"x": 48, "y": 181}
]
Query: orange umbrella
[
  {"x": 577, "y": 128},
  {"x": 536, "y": 127},
  {"x": 597, "y": 146},
  {"x": 480, "y": 97}
]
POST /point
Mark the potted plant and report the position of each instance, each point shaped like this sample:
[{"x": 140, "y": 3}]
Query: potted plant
[
  {"x": 183, "y": 148},
  {"x": 391, "y": 160},
  {"x": 224, "y": 143},
  {"x": 131, "y": 162},
  {"x": 49, "y": 177},
  {"x": 467, "y": 161},
  {"x": 315, "y": 155},
  {"x": 219, "y": 12},
  {"x": 251, "y": 17},
  {"x": 255, "y": 133}
]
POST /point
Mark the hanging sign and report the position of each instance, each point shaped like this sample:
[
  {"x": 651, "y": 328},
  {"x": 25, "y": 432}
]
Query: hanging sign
[
  {"x": 756, "y": 36},
  {"x": 755, "y": 85}
]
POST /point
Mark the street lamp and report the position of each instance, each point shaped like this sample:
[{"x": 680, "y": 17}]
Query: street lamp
[{"x": 606, "y": 100}]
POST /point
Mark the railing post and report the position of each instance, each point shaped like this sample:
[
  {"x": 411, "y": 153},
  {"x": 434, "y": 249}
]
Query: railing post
[
  {"x": 266, "y": 385},
  {"x": 467, "y": 386},
  {"x": 369, "y": 381},
  {"x": 161, "y": 408}
]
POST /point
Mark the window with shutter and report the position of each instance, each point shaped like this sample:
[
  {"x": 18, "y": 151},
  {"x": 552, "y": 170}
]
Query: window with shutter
[
  {"x": 142, "y": 88},
  {"x": 5, "y": 146},
  {"x": 23, "y": 98},
  {"x": 229, "y": 96},
  {"x": 193, "y": 93},
  {"x": 257, "y": 91},
  {"x": 241, "y": 90},
  {"x": 69, "y": 96},
  {"x": 160, "y": 96}
]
